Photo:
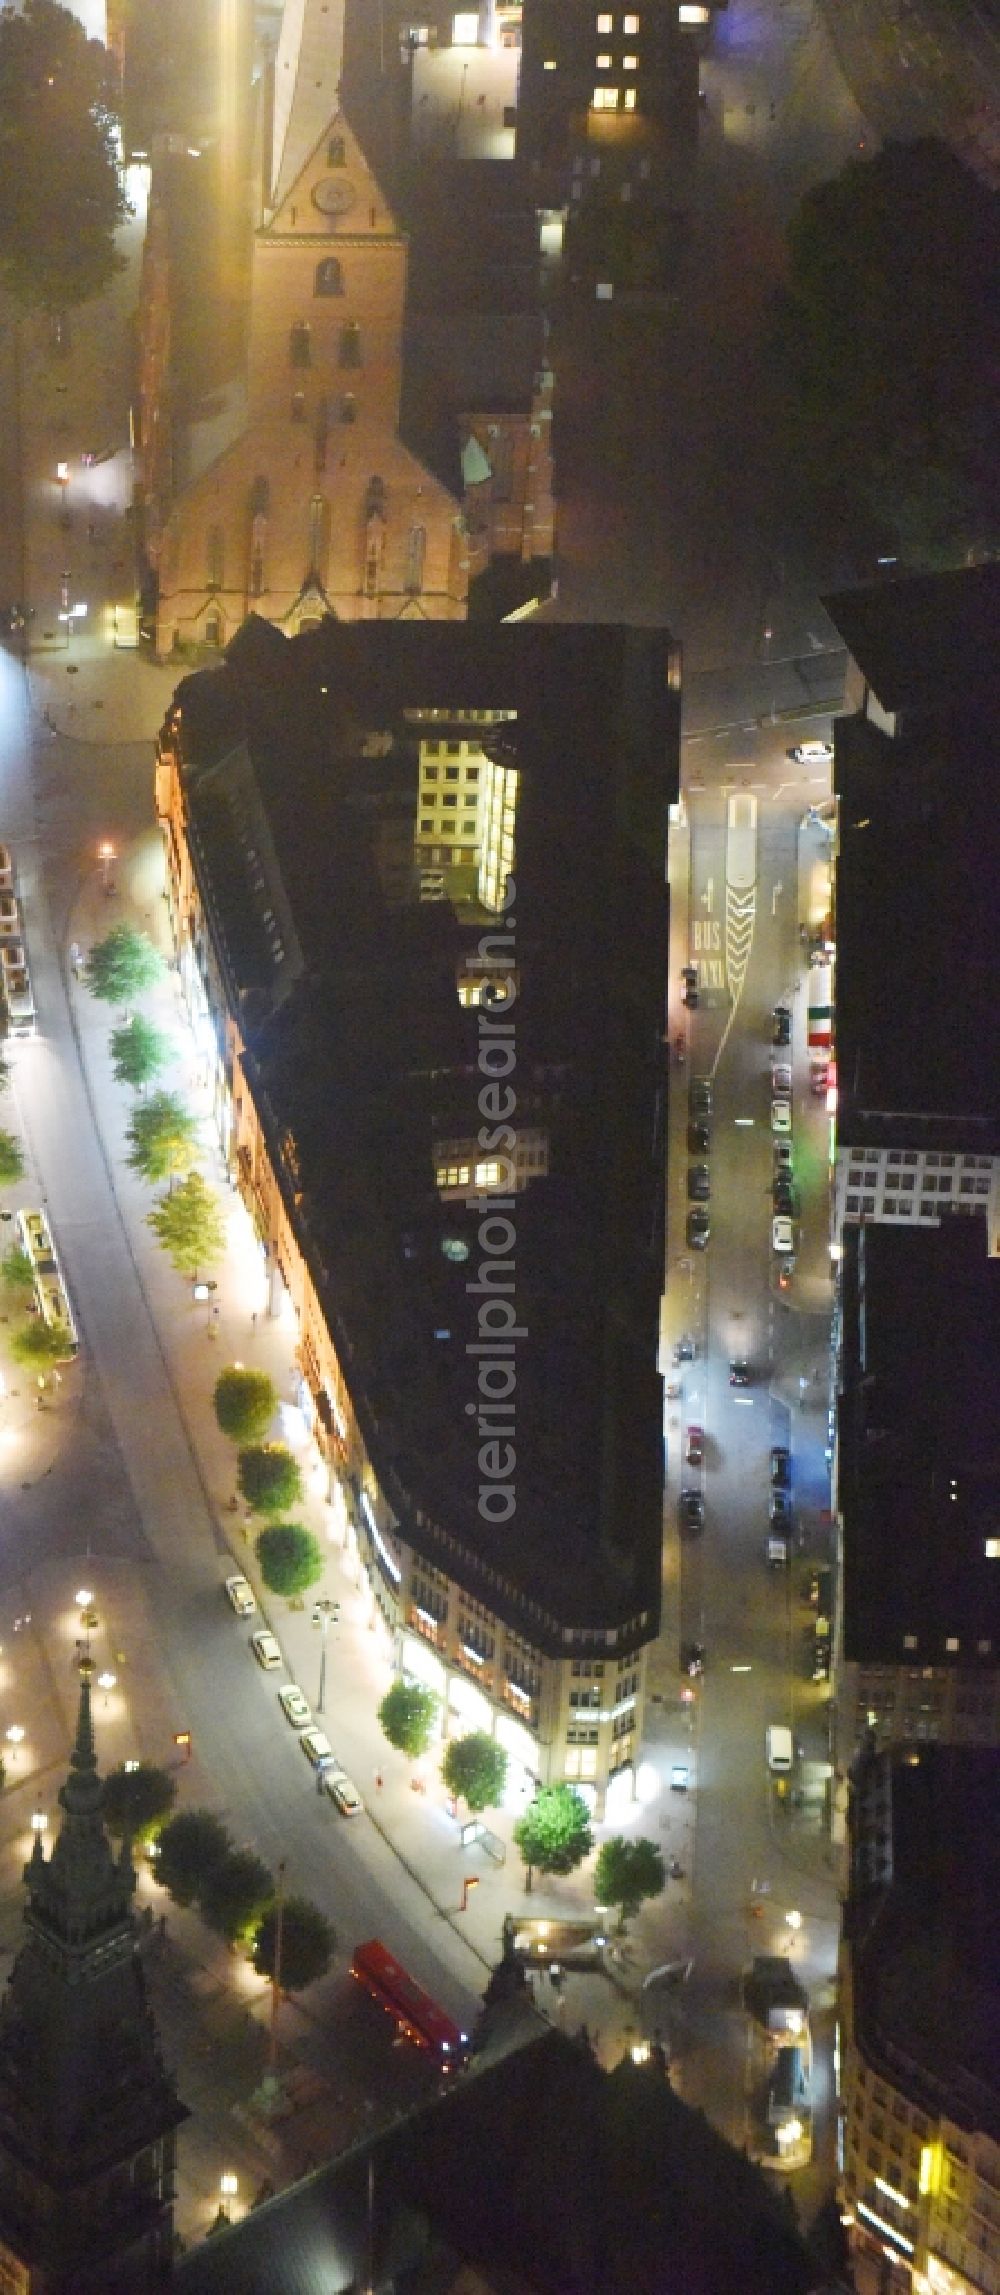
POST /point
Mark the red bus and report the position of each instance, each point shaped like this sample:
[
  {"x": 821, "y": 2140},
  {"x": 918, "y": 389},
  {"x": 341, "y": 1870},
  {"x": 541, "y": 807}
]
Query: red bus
[{"x": 416, "y": 2016}]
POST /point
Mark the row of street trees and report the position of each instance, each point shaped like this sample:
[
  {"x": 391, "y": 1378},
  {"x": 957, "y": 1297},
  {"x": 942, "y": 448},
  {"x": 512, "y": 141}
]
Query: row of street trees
[
  {"x": 268, "y": 1479},
  {"x": 554, "y": 1835},
  {"x": 163, "y": 1138}
]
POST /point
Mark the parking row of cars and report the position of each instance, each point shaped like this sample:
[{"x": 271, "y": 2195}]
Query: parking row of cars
[
  {"x": 15, "y": 979},
  {"x": 699, "y": 1185},
  {"x": 295, "y": 1705}
]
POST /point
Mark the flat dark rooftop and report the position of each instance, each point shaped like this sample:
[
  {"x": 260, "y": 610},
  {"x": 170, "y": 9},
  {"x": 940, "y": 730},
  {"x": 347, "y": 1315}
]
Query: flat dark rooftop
[
  {"x": 925, "y": 643},
  {"x": 370, "y": 1060},
  {"x": 919, "y": 1448},
  {"x": 926, "y": 1939},
  {"x": 918, "y": 1017}
]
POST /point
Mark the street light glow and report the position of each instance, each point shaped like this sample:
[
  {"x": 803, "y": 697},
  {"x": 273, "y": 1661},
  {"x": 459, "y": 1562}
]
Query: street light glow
[{"x": 83, "y": 1598}]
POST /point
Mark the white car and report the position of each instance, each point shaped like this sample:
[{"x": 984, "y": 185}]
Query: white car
[
  {"x": 294, "y": 1706},
  {"x": 266, "y": 1650},
  {"x": 317, "y": 1748},
  {"x": 241, "y": 1595},
  {"x": 811, "y": 753},
  {"x": 781, "y": 1116},
  {"x": 782, "y": 1238},
  {"x": 343, "y": 1794}
]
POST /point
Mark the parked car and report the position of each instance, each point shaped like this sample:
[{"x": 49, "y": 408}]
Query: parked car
[
  {"x": 10, "y": 921},
  {"x": 739, "y": 1371},
  {"x": 781, "y": 1151},
  {"x": 265, "y": 1650},
  {"x": 781, "y": 1080},
  {"x": 317, "y": 1748},
  {"x": 699, "y": 1139},
  {"x": 691, "y": 1510},
  {"x": 821, "y": 1661},
  {"x": 811, "y": 753},
  {"x": 779, "y": 1509},
  {"x": 294, "y": 1706},
  {"x": 699, "y": 1182},
  {"x": 781, "y": 1466},
  {"x": 686, "y": 1348},
  {"x": 781, "y": 1025},
  {"x": 783, "y": 1195},
  {"x": 345, "y": 1796},
  {"x": 689, "y": 975},
  {"x": 781, "y": 1116},
  {"x": 700, "y": 1098},
  {"x": 699, "y": 1228},
  {"x": 6, "y": 870},
  {"x": 694, "y": 1451},
  {"x": 782, "y": 1234},
  {"x": 692, "y": 1658},
  {"x": 242, "y": 1597}
]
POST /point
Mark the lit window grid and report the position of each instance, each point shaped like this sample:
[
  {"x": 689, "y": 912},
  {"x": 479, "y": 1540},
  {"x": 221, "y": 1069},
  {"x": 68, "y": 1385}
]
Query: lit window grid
[
  {"x": 915, "y": 1186},
  {"x": 498, "y": 814}
]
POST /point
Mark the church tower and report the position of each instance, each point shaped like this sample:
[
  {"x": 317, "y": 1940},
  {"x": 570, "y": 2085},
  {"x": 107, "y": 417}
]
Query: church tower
[{"x": 87, "y": 2112}]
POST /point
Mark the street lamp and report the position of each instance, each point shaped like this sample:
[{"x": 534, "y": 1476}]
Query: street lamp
[
  {"x": 39, "y": 1823},
  {"x": 794, "y": 1919},
  {"x": 83, "y": 1598},
  {"x": 106, "y": 855},
  {"x": 324, "y": 1615},
  {"x": 15, "y": 1737}
]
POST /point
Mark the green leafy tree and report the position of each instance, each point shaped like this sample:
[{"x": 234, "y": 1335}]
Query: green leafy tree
[
  {"x": 245, "y": 1403},
  {"x": 291, "y": 1559},
  {"x": 626, "y": 1873},
  {"x": 268, "y": 1477},
  {"x": 554, "y": 1834},
  {"x": 408, "y": 1714},
  {"x": 16, "y": 1270},
  {"x": 235, "y": 1895},
  {"x": 122, "y": 965},
  {"x": 164, "y": 1138},
  {"x": 475, "y": 1770},
  {"x": 190, "y": 1224},
  {"x": 189, "y": 1848},
  {"x": 61, "y": 198},
  {"x": 138, "y": 1801},
  {"x": 887, "y": 340},
  {"x": 308, "y": 1944},
  {"x": 11, "y": 1160},
  {"x": 138, "y": 1052},
  {"x": 38, "y": 1343}
]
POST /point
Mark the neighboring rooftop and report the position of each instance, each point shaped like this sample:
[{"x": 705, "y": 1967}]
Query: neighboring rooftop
[
  {"x": 362, "y": 1056},
  {"x": 928, "y": 643},
  {"x": 918, "y": 1018},
  {"x": 922, "y": 1921},
  {"x": 542, "y": 2175},
  {"x": 919, "y": 1451}
]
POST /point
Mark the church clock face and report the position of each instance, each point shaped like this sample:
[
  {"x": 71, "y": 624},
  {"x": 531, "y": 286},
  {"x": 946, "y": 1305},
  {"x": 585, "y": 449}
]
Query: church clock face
[{"x": 334, "y": 195}]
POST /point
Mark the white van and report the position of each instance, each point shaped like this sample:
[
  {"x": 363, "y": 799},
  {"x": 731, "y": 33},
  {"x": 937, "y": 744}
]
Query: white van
[{"x": 779, "y": 1750}]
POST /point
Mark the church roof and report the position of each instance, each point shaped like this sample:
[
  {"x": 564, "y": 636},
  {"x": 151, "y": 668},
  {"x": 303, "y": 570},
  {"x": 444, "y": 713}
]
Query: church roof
[{"x": 307, "y": 75}]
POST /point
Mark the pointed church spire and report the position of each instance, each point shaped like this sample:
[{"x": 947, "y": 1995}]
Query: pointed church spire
[{"x": 81, "y": 1793}]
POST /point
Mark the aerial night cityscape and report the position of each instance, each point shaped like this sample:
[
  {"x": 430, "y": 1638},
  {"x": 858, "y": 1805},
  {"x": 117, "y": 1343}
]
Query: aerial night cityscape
[{"x": 499, "y": 1147}]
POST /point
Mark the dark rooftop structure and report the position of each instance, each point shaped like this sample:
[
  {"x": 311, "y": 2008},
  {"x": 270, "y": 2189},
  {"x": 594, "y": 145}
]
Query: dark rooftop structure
[
  {"x": 361, "y": 1057},
  {"x": 919, "y": 1446},
  {"x": 926, "y": 646},
  {"x": 917, "y": 772},
  {"x": 922, "y": 1924},
  {"x": 541, "y": 2174}
]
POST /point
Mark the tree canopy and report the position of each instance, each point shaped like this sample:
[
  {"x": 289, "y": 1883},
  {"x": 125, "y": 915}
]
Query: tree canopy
[
  {"x": 268, "y": 1477},
  {"x": 188, "y": 1850},
  {"x": 554, "y": 1833},
  {"x": 138, "y": 1052},
  {"x": 308, "y": 1943},
  {"x": 124, "y": 963},
  {"x": 138, "y": 1800},
  {"x": 407, "y": 1714},
  {"x": 235, "y": 1895},
  {"x": 38, "y": 1342},
  {"x": 11, "y": 1159},
  {"x": 191, "y": 1225},
  {"x": 627, "y": 1872},
  {"x": 889, "y": 336},
  {"x": 61, "y": 196},
  {"x": 245, "y": 1403},
  {"x": 164, "y": 1137},
  {"x": 475, "y": 1770},
  {"x": 291, "y": 1559}
]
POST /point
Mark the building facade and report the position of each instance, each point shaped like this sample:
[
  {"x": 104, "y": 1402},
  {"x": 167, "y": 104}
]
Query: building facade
[{"x": 537, "y": 1632}]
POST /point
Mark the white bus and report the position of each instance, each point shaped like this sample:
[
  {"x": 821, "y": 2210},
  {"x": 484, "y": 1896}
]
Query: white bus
[{"x": 50, "y": 1290}]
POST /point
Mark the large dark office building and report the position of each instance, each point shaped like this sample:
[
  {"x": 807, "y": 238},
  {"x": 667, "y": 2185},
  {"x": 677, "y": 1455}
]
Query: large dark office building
[{"x": 417, "y": 886}]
